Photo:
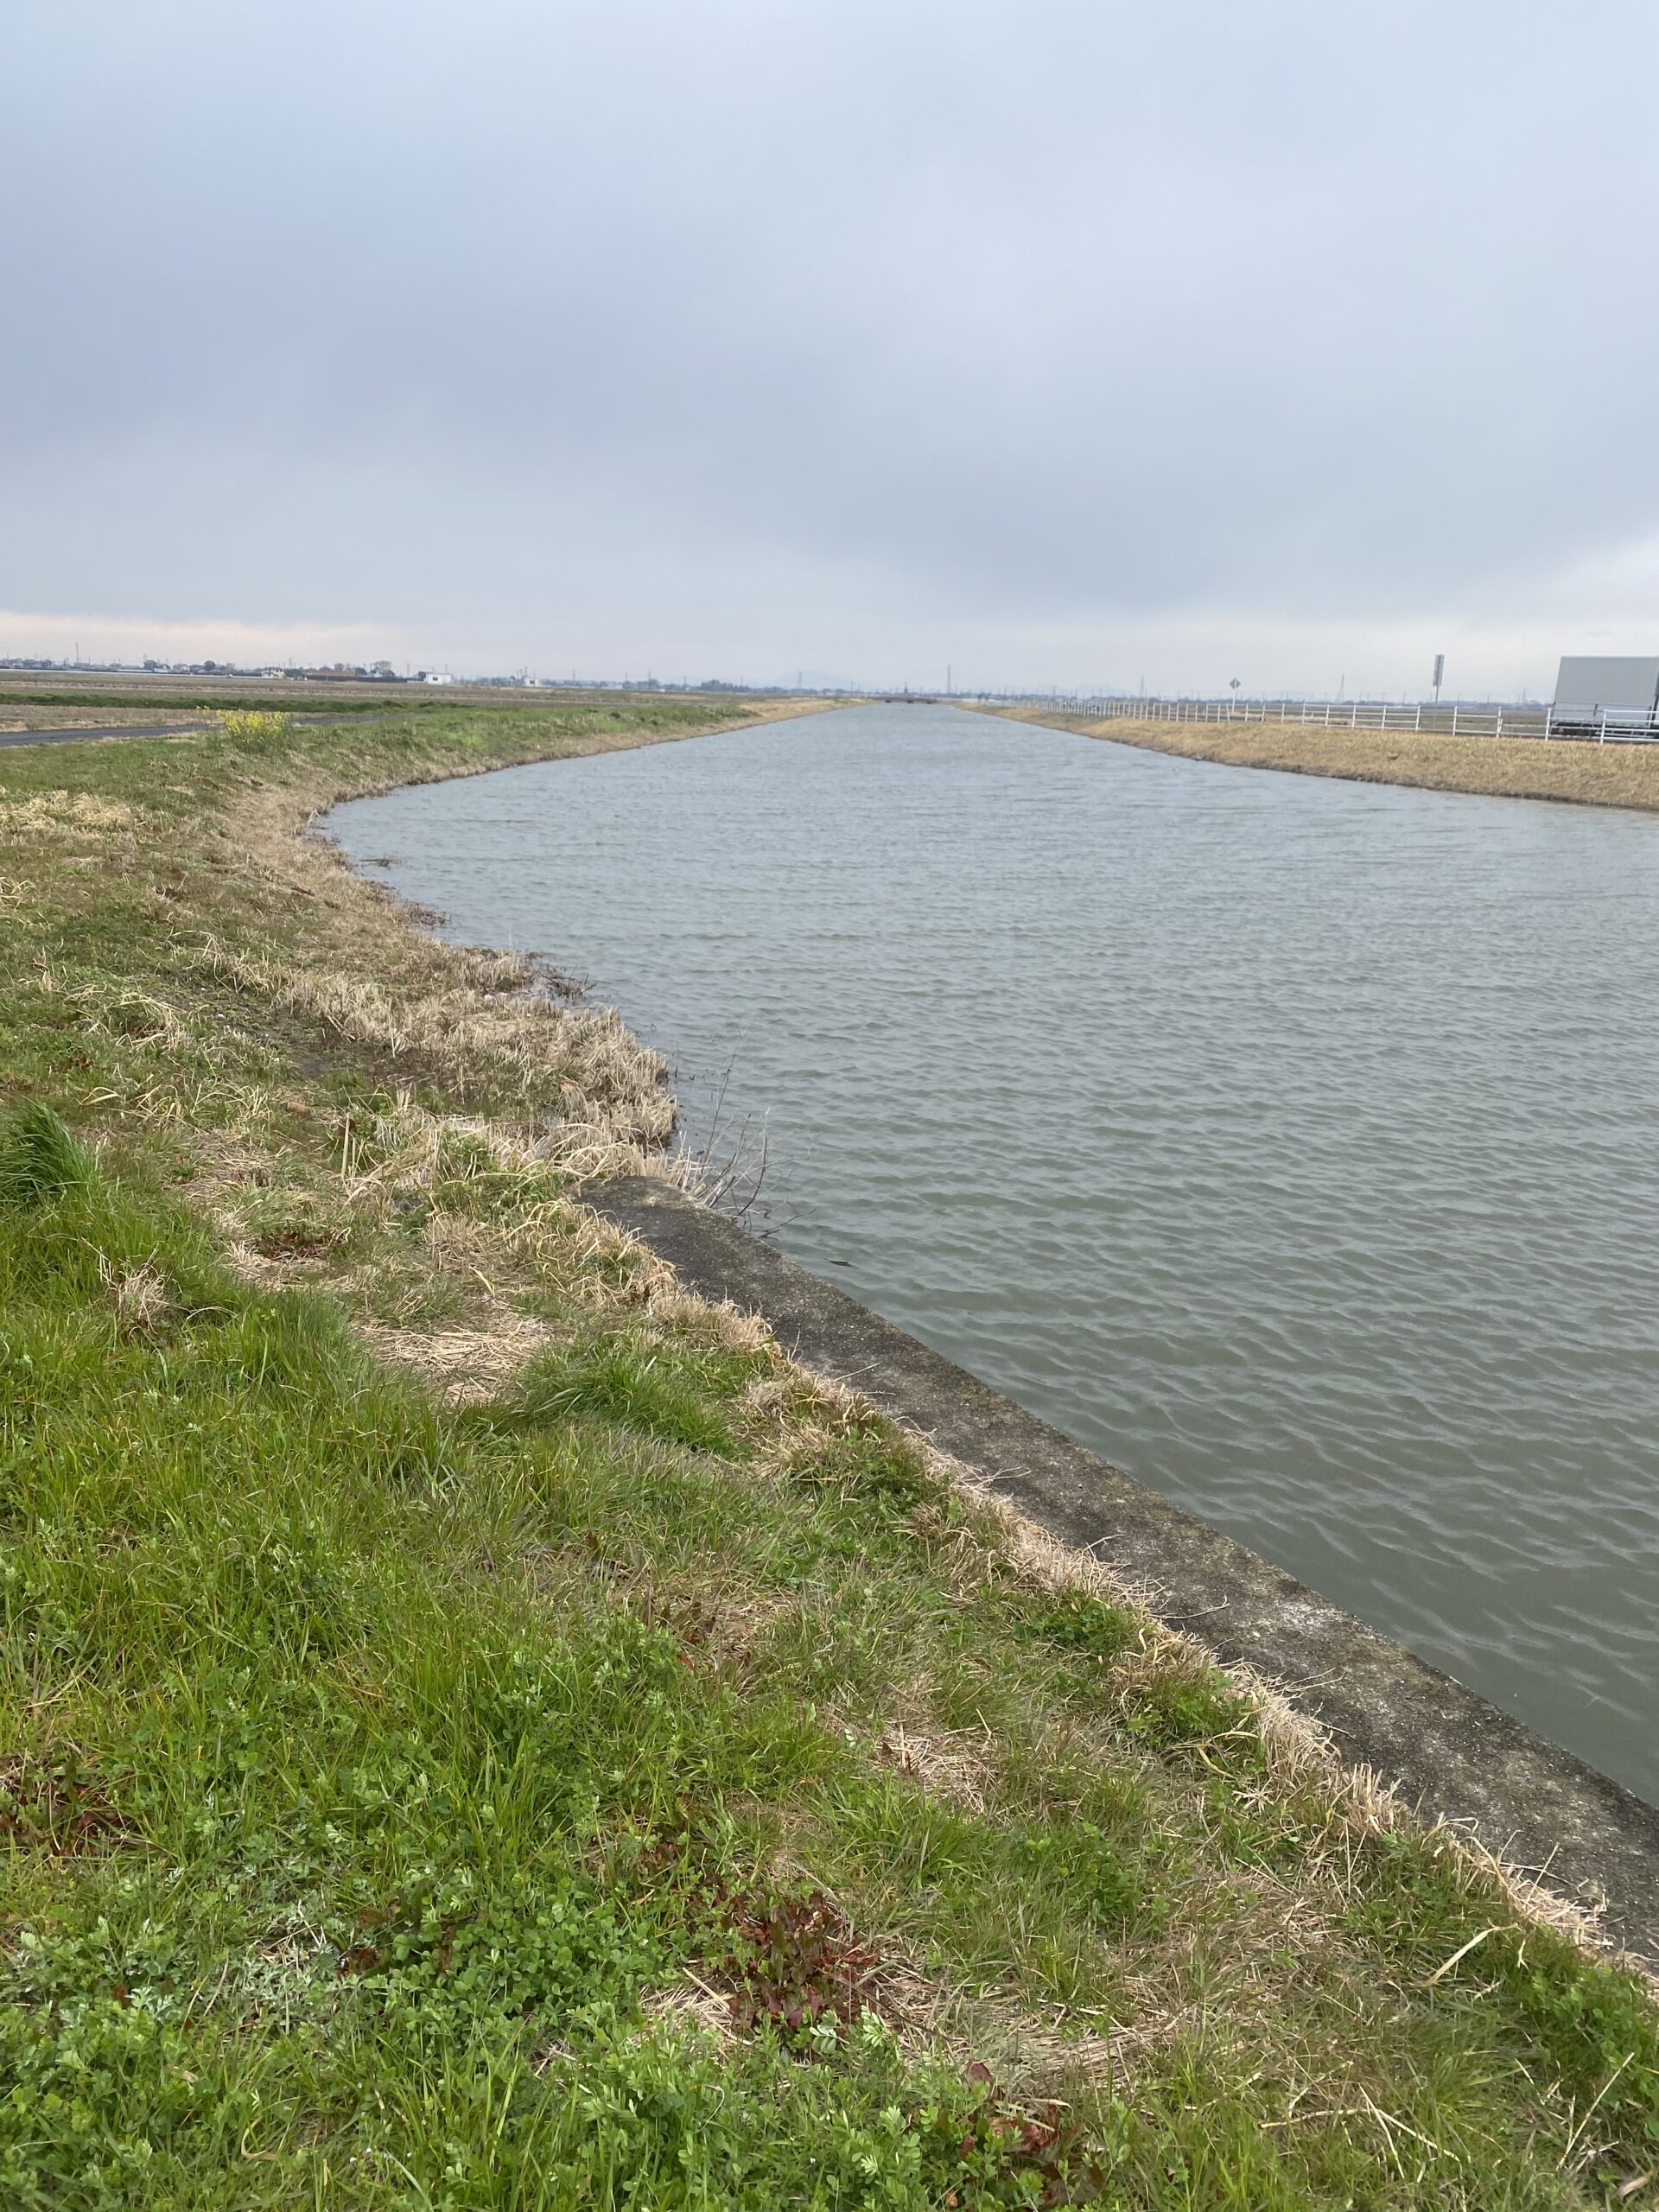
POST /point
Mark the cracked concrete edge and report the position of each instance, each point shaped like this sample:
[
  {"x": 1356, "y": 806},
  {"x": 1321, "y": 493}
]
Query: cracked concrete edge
[{"x": 1535, "y": 1806}]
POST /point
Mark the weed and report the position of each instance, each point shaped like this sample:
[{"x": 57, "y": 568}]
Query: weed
[
  {"x": 1077, "y": 1620},
  {"x": 57, "y": 1802},
  {"x": 797, "y": 1965},
  {"x": 869, "y": 1460},
  {"x": 1176, "y": 1702},
  {"x": 244, "y": 724}
]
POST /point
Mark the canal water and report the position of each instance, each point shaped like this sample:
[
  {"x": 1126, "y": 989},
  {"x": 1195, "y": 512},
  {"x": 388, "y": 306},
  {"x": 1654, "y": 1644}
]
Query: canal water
[{"x": 1293, "y": 1143}]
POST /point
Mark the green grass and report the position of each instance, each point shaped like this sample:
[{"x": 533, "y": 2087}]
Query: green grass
[
  {"x": 636, "y": 1778},
  {"x": 657, "y": 1389}
]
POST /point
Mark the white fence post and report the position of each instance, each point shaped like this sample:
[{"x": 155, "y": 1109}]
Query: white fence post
[{"x": 1378, "y": 714}]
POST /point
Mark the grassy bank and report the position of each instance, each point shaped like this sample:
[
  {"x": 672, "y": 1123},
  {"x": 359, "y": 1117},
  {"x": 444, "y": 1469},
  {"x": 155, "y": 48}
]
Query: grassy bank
[
  {"x": 482, "y": 1729},
  {"x": 1502, "y": 767}
]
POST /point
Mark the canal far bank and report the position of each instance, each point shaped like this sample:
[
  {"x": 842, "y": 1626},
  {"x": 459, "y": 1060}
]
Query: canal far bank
[
  {"x": 477, "y": 1712},
  {"x": 1495, "y": 767}
]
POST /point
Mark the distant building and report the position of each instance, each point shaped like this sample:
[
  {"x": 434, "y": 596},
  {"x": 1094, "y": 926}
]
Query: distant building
[
  {"x": 1600, "y": 691},
  {"x": 435, "y": 675}
]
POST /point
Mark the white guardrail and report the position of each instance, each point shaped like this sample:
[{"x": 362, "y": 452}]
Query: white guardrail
[{"x": 1599, "y": 726}]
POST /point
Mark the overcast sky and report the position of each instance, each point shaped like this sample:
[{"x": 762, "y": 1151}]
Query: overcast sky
[{"x": 1061, "y": 341}]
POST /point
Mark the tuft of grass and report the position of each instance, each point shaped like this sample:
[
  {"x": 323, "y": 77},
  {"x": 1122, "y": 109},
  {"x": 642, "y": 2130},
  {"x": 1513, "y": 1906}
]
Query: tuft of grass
[
  {"x": 869, "y": 1460},
  {"x": 38, "y": 1159},
  {"x": 1181, "y": 1702},
  {"x": 1420, "y": 1900},
  {"x": 680, "y": 1395},
  {"x": 1078, "y": 1620}
]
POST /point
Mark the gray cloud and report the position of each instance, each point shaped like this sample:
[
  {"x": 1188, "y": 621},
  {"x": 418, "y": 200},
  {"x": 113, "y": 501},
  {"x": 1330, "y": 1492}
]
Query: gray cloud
[{"x": 835, "y": 333}]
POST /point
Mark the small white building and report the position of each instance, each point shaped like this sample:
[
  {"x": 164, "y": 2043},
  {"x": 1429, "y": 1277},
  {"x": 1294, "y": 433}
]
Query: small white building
[{"x": 1595, "y": 689}]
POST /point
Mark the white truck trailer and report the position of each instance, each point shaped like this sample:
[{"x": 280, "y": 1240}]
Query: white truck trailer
[{"x": 1607, "y": 694}]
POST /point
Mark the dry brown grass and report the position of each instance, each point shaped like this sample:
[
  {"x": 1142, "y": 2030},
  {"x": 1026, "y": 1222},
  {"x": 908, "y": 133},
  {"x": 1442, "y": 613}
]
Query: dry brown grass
[
  {"x": 368, "y": 977},
  {"x": 63, "y": 815},
  {"x": 1498, "y": 767},
  {"x": 613, "y": 1103},
  {"x": 139, "y": 1294},
  {"x": 950, "y": 1764},
  {"x": 436, "y": 1223},
  {"x": 464, "y": 1366},
  {"x": 15, "y": 714}
]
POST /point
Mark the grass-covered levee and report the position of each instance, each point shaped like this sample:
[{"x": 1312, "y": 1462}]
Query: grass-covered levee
[{"x": 481, "y": 1728}]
